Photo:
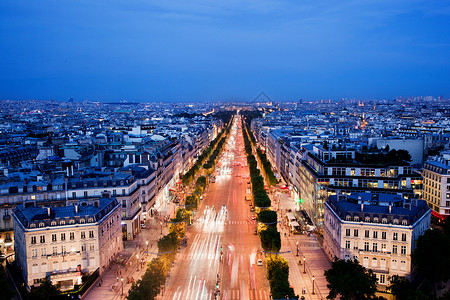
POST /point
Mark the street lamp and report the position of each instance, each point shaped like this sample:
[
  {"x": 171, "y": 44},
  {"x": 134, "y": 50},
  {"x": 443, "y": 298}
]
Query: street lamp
[
  {"x": 313, "y": 278},
  {"x": 146, "y": 242},
  {"x": 304, "y": 265},
  {"x": 161, "y": 226},
  {"x": 297, "y": 248},
  {"x": 137, "y": 261},
  {"x": 121, "y": 279}
]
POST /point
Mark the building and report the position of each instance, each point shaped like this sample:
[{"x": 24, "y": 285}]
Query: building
[
  {"x": 379, "y": 230},
  {"x": 436, "y": 185},
  {"x": 62, "y": 243}
]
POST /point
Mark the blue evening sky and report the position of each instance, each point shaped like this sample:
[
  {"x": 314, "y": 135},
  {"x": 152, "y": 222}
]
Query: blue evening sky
[{"x": 223, "y": 49}]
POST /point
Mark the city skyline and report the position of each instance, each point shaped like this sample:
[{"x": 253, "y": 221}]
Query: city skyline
[{"x": 203, "y": 51}]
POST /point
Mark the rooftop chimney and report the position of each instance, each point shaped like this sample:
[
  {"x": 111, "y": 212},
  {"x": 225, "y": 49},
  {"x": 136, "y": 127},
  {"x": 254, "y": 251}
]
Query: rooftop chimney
[
  {"x": 49, "y": 210},
  {"x": 362, "y": 206},
  {"x": 76, "y": 208},
  {"x": 390, "y": 207}
]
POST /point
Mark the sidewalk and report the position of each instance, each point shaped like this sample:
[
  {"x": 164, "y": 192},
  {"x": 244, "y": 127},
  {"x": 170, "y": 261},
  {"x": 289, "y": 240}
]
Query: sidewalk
[
  {"x": 109, "y": 284},
  {"x": 316, "y": 260}
]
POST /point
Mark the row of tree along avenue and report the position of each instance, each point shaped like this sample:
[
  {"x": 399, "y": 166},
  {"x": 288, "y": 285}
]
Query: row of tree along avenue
[
  {"x": 277, "y": 266},
  {"x": 150, "y": 285}
]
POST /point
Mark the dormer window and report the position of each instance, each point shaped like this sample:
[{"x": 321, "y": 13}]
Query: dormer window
[
  {"x": 53, "y": 223},
  {"x": 32, "y": 225},
  {"x": 375, "y": 220},
  {"x": 404, "y": 222},
  {"x": 90, "y": 220},
  {"x": 62, "y": 223},
  {"x": 82, "y": 221},
  {"x": 356, "y": 219},
  {"x": 367, "y": 219},
  {"x": 395, "y": 221},
  {"x": 348, "y": 218},
  {"x": 384, "y": 221},
  {"x": 41, "y": 225},
  {"x": 72, "y": 222}
]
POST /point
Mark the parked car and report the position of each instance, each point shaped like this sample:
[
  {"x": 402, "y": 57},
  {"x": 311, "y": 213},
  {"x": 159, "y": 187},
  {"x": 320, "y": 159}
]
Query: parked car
[{"x": 259, "y": 262}]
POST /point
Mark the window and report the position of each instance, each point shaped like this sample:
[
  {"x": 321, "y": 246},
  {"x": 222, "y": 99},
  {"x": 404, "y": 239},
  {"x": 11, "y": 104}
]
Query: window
[
  {"x": 403, "y": 250},
  {"x": 395, "y": 236},
  {"x": 55, "y": 250},
  {"x": 384, "y": 221},
  {"x": 404, "y": 237},
  {"x": 43, "y": 252},
  {"x": 382, "y": 278},
  {"x": 366, "y": 233},
  {"x": 41, "y": 225},
  {"x": 72, "y": 222},
  {"x": 347, "y": 232},
  {"x": 365, "y": 261},
  {"x": 74, "y": 194},
  {"x": 394, "y": 264},
  {"x": 82, "y": 221},
  {"x": 90, "y": 220},
  {"x": 33, "y": 240},
  {"x": 63, "y": 250},
  {"x": 124, "y": 203},
  {"x": 394, "y": 249},
  {"x": 53, "y": 223},
  {"x": 85, "y": 194},
  {"x": 63, "y": 236},
  {"x": 83, "y": 248},
  {"x": 62, "y": 223},
  {"x": 72, "y": 236},
  {"x": 383, "y": 247},
  {"x": 375, "y": 247},
  {"x": 91, "y": 233},
  {"x": 42, "y": 238},
  {"x": 374, "y": 262},
  {"x": 34, "y": 252},
  {"x": 83, "y": 235},
  {"x": 53, "y": 237},
  {"x": 402, "y": 265},
  {"x": 366, "y": 246},
  {"x": 383, "y": 235},
  {"x": 32, "y": 225},
  {"x": 347, "y": 244},
  {"x": 91, "y": 247},
  {"x": 383, "y": 263},
  {"x": 375, "y": 234},
  {"x": 355, "y": 232}
]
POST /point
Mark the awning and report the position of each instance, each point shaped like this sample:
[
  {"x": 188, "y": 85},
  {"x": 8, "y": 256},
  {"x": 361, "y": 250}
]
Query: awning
[{"x": 439, "y": 216}]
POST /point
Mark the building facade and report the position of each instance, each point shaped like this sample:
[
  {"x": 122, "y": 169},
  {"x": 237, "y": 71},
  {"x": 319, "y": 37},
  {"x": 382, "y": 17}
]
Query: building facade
[
  {"x": 379, "y": 230},
  {"x": 62, "y": 243}
]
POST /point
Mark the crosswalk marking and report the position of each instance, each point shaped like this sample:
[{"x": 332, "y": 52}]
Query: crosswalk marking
[
  {"x": 241, "y": 222},
  {"x": 235, "y": 294}
]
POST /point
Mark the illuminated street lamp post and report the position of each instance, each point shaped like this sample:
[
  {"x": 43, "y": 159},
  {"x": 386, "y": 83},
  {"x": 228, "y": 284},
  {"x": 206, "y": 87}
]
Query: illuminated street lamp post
[
  {"x": 304, "y": 265},
  {"x": 161, "y": 226},
  {"x": 137, "y": 261},
  {"x": 313, "y": 278},
  {"x": 297, "y": 248},
  {"x": 121, "y": 279}
]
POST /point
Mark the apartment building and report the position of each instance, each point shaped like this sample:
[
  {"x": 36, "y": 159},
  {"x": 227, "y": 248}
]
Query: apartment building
[
  {"x": 63, "y": 243},
  {"x": 436, "y": 186},
  {"x": 379, "y": 230}
]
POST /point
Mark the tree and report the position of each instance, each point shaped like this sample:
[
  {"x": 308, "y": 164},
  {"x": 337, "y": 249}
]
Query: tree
[
  {"x": 402, "y": 288},
  {"x": 270, "y": 239},
  {"x": 150, "y": 285},
  {"x": 5, "y": 288},
  {"x": 351, "y": 281},
  {"x": 267, "y": 216},
  {"x": 45, "y": 291},
  {"x": 431, "y": 256}
]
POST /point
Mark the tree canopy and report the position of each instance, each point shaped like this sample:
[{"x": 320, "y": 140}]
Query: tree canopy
[{"x": 350, "y": 281}]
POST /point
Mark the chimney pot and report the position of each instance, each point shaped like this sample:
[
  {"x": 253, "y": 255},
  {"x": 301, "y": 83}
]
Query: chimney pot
[
  {"x": 49, "y": 210},
  {"x": 362, "y": 206}
]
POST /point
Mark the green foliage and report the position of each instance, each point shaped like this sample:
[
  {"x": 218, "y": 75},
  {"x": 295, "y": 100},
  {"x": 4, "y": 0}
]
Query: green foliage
[
  {"x": 191, "y": 202},
  {"x": 150, "y": 285},
  {"x": 270, "y": 239},
  {"x": 350, "y": 281},
  {"x": 5, "y": 288},
  {"x": 168, "y": 243},
  {"x": 430, "y": 257},
  {"x": 45, "y": 291},
  {"x": 402, "y": 288},
  {"x": 267, "y": 216},
  {"x": 278, "y": 276}
]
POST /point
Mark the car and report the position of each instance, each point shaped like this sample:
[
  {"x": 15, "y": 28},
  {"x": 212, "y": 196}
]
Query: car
[
  {"x": 253, "y": 217},
  {"x": 259, "y": 262}
]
